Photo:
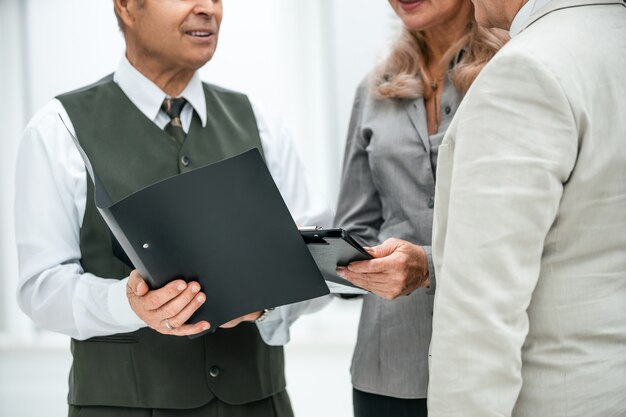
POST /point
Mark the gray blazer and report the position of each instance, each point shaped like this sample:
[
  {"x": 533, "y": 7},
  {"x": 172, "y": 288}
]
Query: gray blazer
[{"x": 387, "y": 190}]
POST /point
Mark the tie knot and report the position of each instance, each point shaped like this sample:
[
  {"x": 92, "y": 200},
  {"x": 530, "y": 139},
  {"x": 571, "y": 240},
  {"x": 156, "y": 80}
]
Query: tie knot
[{"x": 173, "y": 106}]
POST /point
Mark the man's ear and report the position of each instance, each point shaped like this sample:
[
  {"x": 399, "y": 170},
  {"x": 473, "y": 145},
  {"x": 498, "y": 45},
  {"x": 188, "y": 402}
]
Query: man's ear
[{"x": 125, "y": 11}]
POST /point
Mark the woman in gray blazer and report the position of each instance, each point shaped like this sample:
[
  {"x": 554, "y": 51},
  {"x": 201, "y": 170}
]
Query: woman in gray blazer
[{"x": 401, "y": 112}]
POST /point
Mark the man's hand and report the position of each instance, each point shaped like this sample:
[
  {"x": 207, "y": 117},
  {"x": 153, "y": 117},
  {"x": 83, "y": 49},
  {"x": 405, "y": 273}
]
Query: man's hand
[
  {"x": 167, "y": 309},
  {"x": 399, "y": 268},
  {"x": 237, "y": 321}
]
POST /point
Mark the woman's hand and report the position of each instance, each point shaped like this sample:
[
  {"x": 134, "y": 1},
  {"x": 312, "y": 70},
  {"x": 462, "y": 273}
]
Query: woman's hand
[{"x": 398, "y": 268}]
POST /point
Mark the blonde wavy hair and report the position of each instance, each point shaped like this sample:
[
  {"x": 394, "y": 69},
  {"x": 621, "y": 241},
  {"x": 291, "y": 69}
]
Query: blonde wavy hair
[{"x": 403, "y": 73}]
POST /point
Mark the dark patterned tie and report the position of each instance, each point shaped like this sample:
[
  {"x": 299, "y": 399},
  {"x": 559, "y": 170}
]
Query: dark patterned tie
[{"x": 173, "y": 107}]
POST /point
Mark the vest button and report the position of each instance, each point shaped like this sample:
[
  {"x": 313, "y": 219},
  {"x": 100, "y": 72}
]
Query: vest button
[
  {"x": 214, "y": 371},
  {"x": 185, "y": 160}
]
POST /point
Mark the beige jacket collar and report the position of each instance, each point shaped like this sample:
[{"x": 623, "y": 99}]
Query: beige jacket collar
[{"x": 556, "y": 5}]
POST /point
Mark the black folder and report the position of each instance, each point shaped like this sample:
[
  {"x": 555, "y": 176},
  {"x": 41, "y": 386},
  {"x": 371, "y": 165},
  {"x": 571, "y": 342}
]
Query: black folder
[
  {"x": 332, "y": 248},
  {"x": 224, "y": 225}
]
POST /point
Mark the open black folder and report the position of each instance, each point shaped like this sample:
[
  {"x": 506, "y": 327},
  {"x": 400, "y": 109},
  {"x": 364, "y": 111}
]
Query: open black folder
[
  {"x": 332, "y": 248},
  {"x": 224, "y": 225}
]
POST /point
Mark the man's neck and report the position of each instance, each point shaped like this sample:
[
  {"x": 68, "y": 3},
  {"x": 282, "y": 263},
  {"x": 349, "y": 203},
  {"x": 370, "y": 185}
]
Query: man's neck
[{"x": 172, "y": 81}]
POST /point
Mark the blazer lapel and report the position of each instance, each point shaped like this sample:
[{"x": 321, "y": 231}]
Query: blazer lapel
[
  {"x": 556, "y": 5},
  {"x": 417, "y": 114}
]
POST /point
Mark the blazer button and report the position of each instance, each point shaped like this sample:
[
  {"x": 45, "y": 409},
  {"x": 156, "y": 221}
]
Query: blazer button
[
  {"x": 185, "y": 160},
  {"x": 431, "y": 202},
  {"x": 448, "y": 109},
  {"x": 214, "y": 371}
]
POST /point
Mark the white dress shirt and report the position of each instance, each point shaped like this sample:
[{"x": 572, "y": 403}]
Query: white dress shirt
[
  {"x": 524, "y": 14},
  {"x": 51, "y": 189}
]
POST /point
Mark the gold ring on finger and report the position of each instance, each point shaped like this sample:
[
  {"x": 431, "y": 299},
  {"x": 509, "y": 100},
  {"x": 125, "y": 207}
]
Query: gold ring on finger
[{"x": 168, "y": 325}]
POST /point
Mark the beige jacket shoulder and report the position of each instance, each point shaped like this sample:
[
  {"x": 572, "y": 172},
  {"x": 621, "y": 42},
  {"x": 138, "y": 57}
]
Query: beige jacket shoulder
[{"x": 530, "y": 226}]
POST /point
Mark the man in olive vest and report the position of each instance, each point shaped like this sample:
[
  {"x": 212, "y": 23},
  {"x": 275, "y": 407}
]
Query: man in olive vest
[{"x": 151, "y": 119}]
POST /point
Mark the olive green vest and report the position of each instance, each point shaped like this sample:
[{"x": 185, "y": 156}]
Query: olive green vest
[{"x": 145, "y": 368}]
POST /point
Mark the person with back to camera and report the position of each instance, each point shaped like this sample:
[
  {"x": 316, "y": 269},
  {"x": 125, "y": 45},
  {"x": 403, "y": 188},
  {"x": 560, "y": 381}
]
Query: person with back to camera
[
  {"x": 400, "y": 114},
  {"x": 538, "y": 300}
]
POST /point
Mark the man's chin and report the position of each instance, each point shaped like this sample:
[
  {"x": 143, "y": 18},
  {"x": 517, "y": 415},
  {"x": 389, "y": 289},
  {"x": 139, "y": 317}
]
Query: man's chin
[{"x": 197, "y": 62}]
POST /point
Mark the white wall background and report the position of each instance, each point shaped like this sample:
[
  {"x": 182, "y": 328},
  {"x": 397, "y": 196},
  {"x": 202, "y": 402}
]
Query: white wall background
[{"x": 301, "y": 59}]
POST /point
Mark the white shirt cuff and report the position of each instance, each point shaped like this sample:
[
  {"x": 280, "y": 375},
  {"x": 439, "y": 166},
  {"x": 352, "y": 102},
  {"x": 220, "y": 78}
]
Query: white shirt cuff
[
  {"x": 274, "y": 330},
  {"x": 120, "y": 307}
]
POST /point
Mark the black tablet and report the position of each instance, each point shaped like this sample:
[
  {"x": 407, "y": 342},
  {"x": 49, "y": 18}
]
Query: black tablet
[{"x": 332, "y": 248}]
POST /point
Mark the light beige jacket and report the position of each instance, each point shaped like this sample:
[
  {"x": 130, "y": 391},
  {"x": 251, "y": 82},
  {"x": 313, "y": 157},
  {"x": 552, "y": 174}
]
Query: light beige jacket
[{"x": 530, "y": 226}]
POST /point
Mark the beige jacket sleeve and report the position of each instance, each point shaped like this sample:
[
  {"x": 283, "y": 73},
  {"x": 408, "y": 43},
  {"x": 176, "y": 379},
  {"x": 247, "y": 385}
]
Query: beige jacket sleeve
[{"x": 501, "y": 170}]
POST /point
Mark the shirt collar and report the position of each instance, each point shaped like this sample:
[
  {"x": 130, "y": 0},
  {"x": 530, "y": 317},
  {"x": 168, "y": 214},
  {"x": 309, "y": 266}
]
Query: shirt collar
[
  {"x": 524, "y": 14},
  {"x": 148, "y": 97}
]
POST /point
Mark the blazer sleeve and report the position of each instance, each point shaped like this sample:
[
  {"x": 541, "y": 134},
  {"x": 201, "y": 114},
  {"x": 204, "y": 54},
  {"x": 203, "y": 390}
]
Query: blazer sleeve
[
  {"x": 512, "y": 149},
  {"x": 359, "y": 208}
]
